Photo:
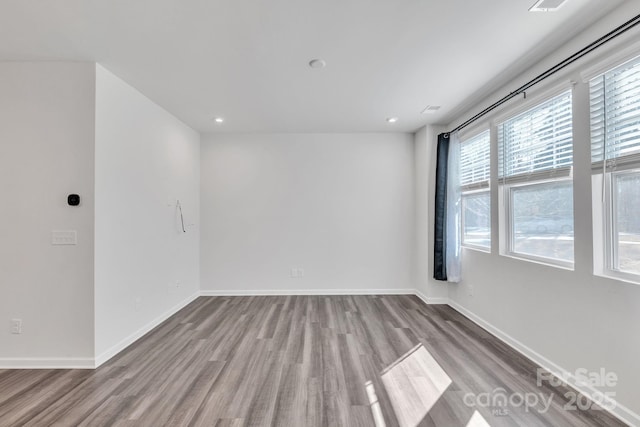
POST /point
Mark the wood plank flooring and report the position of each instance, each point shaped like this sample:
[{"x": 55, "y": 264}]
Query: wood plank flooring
[{"x": 297, "y": 361}]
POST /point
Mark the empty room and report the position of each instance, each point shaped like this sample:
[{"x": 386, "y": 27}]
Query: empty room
[{"x": 320, "y": 213}]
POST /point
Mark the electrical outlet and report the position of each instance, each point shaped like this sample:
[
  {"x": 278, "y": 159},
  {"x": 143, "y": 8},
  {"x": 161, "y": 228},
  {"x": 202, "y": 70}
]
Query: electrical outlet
[
  {"x": 470, "y": 289},
  {"x": 296, "y": 272},
  {"x": 137, "y": 303},
  {"x": 173, "y": 286},
  {"x": 16, "y": 326},
  {"x": 64, "y": 237}
]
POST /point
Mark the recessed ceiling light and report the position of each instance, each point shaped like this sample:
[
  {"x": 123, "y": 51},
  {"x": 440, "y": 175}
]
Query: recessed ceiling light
[
  {"x": 392, "y": 119},
  {"x": 317, "y": 63},
  {"x": 430, "y": 109},
  {"x": 546, "y": 5},
  {"x": 218, "y": 120}
]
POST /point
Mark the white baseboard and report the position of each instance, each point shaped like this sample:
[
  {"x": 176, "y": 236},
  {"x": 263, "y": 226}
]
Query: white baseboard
[
  {"x": 108, "y": 354},
  {"x": 47, "y": 363},
  {"x": 431, "y": 300},
  {"x": 234, "y": 293},
  {"x": 620, "y": 411}
]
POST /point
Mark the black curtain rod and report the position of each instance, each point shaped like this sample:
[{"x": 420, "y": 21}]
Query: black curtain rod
[{"x": 551, "y": 71}]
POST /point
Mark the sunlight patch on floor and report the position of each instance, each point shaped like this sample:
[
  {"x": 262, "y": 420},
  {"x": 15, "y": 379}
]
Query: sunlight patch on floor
[
  {"x": 477, "y": 420},
  {"x": 414, "y": 384},
  {"x": 376, "y": 411}
]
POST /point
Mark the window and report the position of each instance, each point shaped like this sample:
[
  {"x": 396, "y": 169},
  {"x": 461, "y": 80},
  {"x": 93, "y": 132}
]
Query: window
[
  {"x": 615, "y": 157},
  {"x": 475, "y": 195},
  {"x": 535, "y": 153}
]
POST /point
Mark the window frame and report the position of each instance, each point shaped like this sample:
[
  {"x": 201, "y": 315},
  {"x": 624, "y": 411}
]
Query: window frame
[
  {"x": 510, "y": 223},
  {"x": 480, "y": 248},
  {"x": 605, "y": 225},
  {"x": 610, "y": 227},
  {"x": 477, "y": 187},
  {"x": 507, "y": 183}
]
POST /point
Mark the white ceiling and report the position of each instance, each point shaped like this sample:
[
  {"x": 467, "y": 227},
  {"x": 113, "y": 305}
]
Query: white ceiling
[{"x": 246, "y": 60}]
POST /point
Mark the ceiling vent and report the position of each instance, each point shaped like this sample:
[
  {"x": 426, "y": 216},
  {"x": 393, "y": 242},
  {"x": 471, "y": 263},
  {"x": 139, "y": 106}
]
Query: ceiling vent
[
  {"x": 430, "y": 109},
  {"x": 547, "y": 5}
]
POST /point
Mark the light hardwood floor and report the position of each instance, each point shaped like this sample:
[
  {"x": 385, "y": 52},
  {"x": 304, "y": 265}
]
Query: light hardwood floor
[{"x": 297, "y": 361}]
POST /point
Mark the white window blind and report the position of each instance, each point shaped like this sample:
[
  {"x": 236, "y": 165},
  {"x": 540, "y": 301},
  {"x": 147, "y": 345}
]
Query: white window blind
[
  {"x": 615, "y": 116},
  {"x": 537, "y": 143},
  {"x": 475, "y": 162}
]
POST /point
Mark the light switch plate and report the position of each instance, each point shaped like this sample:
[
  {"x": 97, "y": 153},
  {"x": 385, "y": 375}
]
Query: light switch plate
[
  {"x": 64, "y": 237},
  {"x": 16, "y": 326}
]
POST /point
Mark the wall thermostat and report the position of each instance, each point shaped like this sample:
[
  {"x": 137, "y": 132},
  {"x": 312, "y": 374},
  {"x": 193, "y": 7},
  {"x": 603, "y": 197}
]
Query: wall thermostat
[{"x": 73, "y": 200}]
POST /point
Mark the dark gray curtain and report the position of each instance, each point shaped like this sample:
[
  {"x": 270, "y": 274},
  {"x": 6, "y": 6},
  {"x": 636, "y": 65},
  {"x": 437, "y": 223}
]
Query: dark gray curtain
[{"x": 440, "y": 239}]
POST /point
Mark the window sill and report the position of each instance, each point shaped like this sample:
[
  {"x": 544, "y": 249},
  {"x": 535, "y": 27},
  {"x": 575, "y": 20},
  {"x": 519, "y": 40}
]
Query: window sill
[
  {"x": 564, "y": 265},
  {"x": 630, "y": 278},
  {"x": 482, "y": 249}
]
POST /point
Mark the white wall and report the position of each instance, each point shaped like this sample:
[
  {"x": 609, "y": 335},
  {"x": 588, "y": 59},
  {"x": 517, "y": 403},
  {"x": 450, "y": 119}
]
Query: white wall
[
  {"x": 145, "y": 160},
  {"x": 565, "y": 320},
  {"x": 46, "y": 152},
  {"x": 340, "y": 206}
]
